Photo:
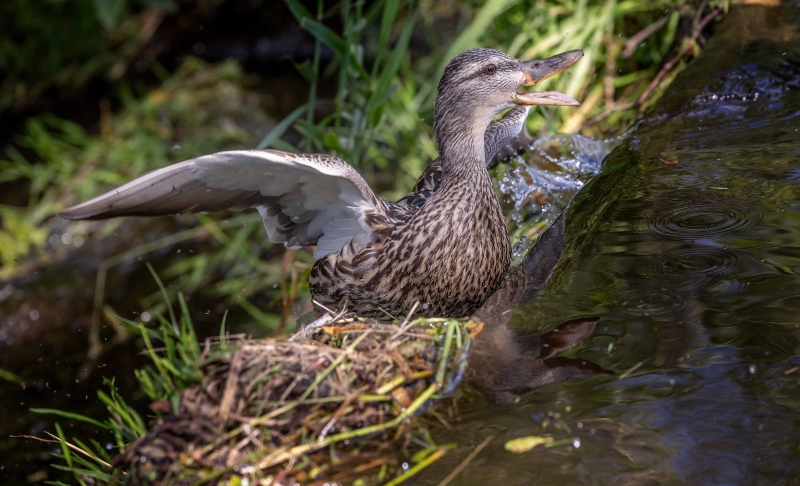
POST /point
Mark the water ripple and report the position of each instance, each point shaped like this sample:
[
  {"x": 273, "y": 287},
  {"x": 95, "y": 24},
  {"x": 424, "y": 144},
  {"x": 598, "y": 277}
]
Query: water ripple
[
  {"x": 642, "y": 301},
  {"x": 696, "y": 261},
  {"x": 709, "y": 219}
]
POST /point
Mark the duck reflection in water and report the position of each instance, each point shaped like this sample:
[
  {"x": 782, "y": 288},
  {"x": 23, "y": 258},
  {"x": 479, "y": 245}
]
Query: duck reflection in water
[{"x": 506, "y": 363}]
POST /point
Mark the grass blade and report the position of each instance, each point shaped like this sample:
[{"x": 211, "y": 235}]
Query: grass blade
[
  {"x": 73, "y": 416},
  {"x": 279, "y": 129}
]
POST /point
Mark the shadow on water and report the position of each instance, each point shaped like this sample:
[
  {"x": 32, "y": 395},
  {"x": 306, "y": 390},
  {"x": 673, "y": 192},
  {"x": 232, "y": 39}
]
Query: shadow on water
[{"x": 675, "y": 269}]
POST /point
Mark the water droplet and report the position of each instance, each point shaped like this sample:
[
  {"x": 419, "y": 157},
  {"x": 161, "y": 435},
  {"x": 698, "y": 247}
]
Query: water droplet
[
  {"x": 145, "y": 317},
  {"x": 576, "y": 443},
  {"x": 752, "y": 369}
]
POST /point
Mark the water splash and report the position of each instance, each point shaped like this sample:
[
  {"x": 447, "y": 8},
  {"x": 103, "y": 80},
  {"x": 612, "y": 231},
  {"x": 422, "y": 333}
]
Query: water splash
[
  {"x": 548, "y": 174},
  {"x": 749, "y": 83}
]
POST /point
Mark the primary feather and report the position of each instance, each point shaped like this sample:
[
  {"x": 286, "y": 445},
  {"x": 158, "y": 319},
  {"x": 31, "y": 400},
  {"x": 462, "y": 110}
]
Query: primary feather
[{"x": 305, "y": 200}]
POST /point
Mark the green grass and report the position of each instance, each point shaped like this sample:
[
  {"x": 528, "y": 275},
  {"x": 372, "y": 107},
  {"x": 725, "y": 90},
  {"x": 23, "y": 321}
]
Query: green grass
[
  {"x": 199, "y": 109},
  {"x": 65, "y": 45},
  {"x": 176, "y": 365},
  {"x": 379, "y": 119}
]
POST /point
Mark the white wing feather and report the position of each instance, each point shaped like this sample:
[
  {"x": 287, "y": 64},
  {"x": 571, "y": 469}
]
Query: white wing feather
[{"x": 304, "y": 199}]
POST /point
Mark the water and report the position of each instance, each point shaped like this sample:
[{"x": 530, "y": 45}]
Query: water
[
  {"x": 682, "y": 257},
  {"x": 554, "y": 169},
  {"x": 537, "y": 189}
]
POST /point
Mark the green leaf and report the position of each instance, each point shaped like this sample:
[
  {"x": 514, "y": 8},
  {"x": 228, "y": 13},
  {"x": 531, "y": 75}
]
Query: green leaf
[
  {"x": 298, "y": 10},
  {"x": 9, "y": 376},
  {"x": 166, "y": 298},
  {"x": 376, "y": 114},
  {"x": 306, "y": 69},
  {"x": 331, "y": 141},
  {"x": 285, "y": 146},
  {"x": 524, "y": 444},
  {"x": 108, "y": 12},
  {"x": 64, "y": 447},
  {"x": 73, "y": 416},
  {"x": 325, "y": 35},
  {"x": 471, "y": 36},
  {"x": 387, "y": 21},
  {"x": 80, "y": 471},
  {"x": 384, "y": 87},
  {"x": 279, "y": 129}
]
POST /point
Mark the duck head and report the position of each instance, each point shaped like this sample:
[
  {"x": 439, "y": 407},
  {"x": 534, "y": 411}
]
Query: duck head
[{"x": 480, "y": 83}]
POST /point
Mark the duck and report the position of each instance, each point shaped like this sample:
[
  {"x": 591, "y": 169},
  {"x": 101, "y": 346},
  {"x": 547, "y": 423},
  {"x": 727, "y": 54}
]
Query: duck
[{"x": 439, "y": 252}]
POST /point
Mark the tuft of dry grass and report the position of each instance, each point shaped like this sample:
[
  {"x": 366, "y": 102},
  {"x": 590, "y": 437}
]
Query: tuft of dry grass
[{"x": 275, "y": 408}]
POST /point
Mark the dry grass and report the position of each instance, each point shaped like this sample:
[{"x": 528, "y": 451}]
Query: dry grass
[{"x": 272, "y": 410}]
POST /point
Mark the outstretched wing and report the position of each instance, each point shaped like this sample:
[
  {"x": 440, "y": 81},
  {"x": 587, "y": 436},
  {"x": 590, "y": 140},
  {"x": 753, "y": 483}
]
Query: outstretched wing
[{"x": 304, "y": 199}]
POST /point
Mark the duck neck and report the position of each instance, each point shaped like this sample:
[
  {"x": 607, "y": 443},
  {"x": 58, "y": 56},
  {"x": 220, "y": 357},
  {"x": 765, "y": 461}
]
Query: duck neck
[{"x": 460, "y": 141}]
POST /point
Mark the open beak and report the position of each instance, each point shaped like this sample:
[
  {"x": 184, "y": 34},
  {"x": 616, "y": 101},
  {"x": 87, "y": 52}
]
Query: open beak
[{"x": 538, "y": 71}]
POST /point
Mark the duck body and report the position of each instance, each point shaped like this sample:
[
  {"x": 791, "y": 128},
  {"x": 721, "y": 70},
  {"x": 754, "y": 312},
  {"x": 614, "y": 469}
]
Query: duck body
[
  {"x": 457, "y": 235},
  {"x": 440, "y": 251}
]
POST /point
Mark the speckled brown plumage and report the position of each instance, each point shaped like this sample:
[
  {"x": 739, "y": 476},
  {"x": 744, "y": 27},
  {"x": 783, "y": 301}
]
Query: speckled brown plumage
[
  {"x": 449, "y": 267},
  {"x": 444, "y": 247}
]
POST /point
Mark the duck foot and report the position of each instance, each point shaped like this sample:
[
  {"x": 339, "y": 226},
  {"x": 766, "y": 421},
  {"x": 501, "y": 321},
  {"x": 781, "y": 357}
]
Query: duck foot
[{"x": 306, "y": 331}]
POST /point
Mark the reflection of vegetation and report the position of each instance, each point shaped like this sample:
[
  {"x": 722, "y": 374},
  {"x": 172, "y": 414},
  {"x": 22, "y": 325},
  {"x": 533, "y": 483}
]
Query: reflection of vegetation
[{"x": 378, "y": 119}]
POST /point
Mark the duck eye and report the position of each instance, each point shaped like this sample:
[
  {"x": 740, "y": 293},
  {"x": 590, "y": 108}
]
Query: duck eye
[{"x": 490, "y": 69}]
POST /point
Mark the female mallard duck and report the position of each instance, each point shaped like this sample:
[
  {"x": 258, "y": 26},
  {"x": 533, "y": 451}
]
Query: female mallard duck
[{"x": 446, "y": 248}]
